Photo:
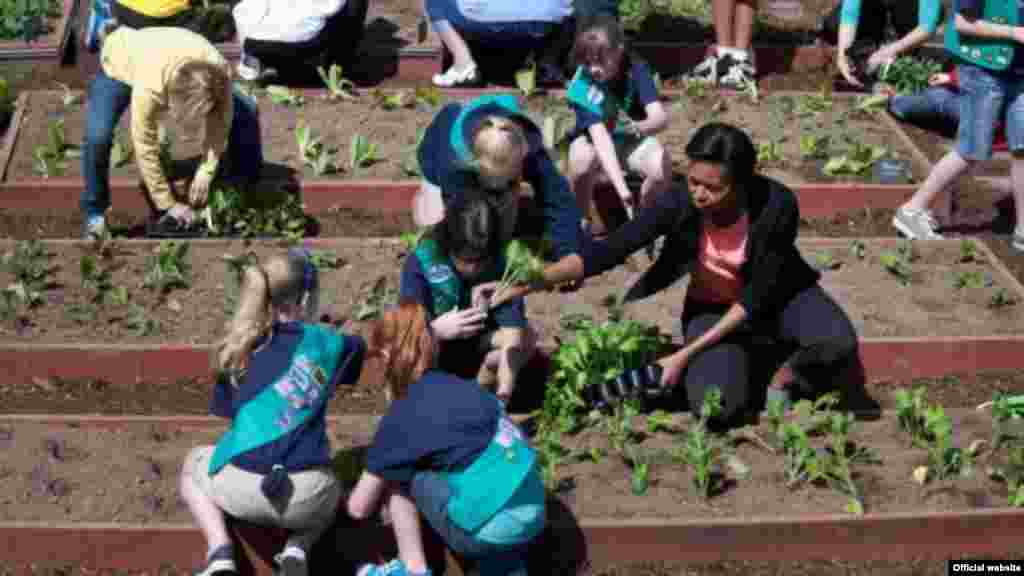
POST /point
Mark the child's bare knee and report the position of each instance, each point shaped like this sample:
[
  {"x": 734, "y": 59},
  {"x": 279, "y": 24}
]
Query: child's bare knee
[{"x": 581, "y": 157}]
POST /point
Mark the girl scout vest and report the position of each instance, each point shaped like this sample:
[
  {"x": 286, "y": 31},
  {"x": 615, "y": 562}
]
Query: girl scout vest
[
  {"x": 292, "y": 399},
  {"x": 485, "y": 486},
  {"x": 447, "y": 290},
  {"x": 595, "y": 98},
  {"x": 987, "y": 53}
]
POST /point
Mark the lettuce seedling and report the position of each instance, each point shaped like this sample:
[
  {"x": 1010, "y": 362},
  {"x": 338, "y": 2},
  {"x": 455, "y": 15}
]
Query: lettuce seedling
[
  {"x": 659, "y": 420},
  {"x": 284, "y": 96},
  {"x": 313, "y": 152},
  {"x": 910, "y": 414},
  {"x": 968, "y": 279},
  {"x": 908, "y": 74},
  {"x": 522, "y": 266},
  {"x": 338, "y": 87},
  {"x": 1013, "y": 474},
  {"x": 1001, "y": 298},
  {"x": 69, "y": 98},
  {"x": 29, "y": 264},
  {"x": 1007, "y": 418},
  {"x": 858, "y": 249},
  {"x": 51, "y": 158},
  {"x": 526, "y": 79},
  {"x": 703, "y": 452},
  {"x": 897, "y": 265},
  {"x": 429, "y": 96},
  {"x": 362, "y": 153},
  {"x": 969, "y": 251},
  {"x": 140, "y": 323},
  {"x": 380, "y": 296},
  {"x": 168, "y": 268}
]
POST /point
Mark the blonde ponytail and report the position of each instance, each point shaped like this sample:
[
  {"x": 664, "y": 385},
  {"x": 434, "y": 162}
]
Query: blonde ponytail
[{"x": 499, "y": 148}]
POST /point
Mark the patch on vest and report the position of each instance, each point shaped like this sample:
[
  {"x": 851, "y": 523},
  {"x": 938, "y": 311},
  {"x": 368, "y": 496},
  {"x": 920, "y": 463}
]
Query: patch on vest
[
  {"x": 508, "y": 433},
  {"x": 439, "y": 273},
  {"x": 302, "y": 384}
]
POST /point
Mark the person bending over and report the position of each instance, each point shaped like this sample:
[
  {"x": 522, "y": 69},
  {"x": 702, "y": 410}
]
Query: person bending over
[
  {"x": 446, "y": 451},
  {"x": 734, "y": 231},
  {"x": 278, "y": 370}
]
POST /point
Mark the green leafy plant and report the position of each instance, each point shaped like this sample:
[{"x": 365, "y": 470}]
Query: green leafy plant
[
  {"x": 29, "y": 264},
  {"x": 1001, "y": 298},
  {"x": 96, "y": 277},
  {"x": 944, "y": 458},
  {"x": 284, "y": 96},
  {"x": 968, "y": 279},
  {"x": 313, "y": 152},
  {"x": 429, "y": 96},
  {"x": 26, "y": 19},
  {"x": 619, "y": 427},
  {"x": 695, "y": 88},
  {"x": 827, "y": 261},
  {"x": 911, "y": 407},
  {"x": 6, "y": 101},
  {"x": 230, "y": 213},
  {"x": 338, "y": 87},
  {"x": 1006, "y": 409},
  {"x": 813, "y": 416},
  {"x": 811, "y": 104},
  {"x": 659, "y": 420},
  {"x": 897, "y": 263},
  {"x": 871, "y": 104},
  {"x": 594, "y": 354},
  {"x": 168, "y": 267},
  {"x": 412, "y": 239},
  {"x": 380, "y": 296},
  {"x": 550, "y": 454},
  {"x": 969, "y": 251},
  {"x": 857, "y": 158},
  {"x": 51, "y": 158},
  {"x": 325, "y": 260},
  {"x": 908, "y": 74},
  {"x": 841, "y": 456},
  {"x": 702, "y": 451},
  {"x": 522, "y": 266},
  {"x": 526, "y": 79},
  {"x": 813, "y": 145},
  {"x": 362, "y": 153},
  {"x": 1013, "y": 474},
  {"x": 140, "y": 323},
  {"x": 640, "y": 470},
  {"x": 770, "y": 149},
  {"x": 395, "y": 100},
  {"x": 858, "y": 249}
]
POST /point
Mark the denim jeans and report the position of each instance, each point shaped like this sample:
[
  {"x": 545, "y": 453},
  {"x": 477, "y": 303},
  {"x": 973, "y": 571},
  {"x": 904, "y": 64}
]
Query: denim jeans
[
  {"x": 431, "y": 493},
  {"x": 986, "y": 97},
  {"x": 107, "y": 102},
  {"x": 936, "y": 109}
]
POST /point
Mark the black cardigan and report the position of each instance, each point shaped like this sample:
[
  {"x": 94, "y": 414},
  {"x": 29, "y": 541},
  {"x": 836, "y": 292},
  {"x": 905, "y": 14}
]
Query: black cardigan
[{"x": 774, "y": 270}]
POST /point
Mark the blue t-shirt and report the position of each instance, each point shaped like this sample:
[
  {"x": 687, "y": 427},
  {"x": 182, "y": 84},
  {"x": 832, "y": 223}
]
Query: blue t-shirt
[
  {"x": 974, "y": 9},
  {"x": 307, "y": 446},
  {"x": 442, "y": 424},
  {"x": 443, "y": 167},
  {"x": 414, "y": 285},
  {"x": 594, "y": 102}
]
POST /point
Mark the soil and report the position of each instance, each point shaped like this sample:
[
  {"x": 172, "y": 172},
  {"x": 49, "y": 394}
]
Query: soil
[
  {"x": 396, "y": 133},
  {"x": 907, "y": 567},
  {"x": 59, "y": 396},
  {"x": 875, "y": 301},
  {"x": 129, "y": 474}
]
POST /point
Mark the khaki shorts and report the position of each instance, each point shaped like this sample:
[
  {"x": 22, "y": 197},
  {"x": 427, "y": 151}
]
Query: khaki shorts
[{"x": 311, "y": 506}]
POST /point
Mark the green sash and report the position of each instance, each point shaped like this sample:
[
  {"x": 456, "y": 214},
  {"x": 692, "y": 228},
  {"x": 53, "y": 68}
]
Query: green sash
[
  {"x": 481, "y": 490},
  {"x": 446, "y": 288},
  {"x": 290, "y": 401},
  {"x": 595, "y": 98},
  {"x": 987, "y": 53}
]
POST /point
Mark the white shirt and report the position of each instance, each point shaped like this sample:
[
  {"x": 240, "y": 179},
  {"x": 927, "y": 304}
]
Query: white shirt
[
  {"x": 283, "y": 20},
  {"x": 515, "y": 10}
]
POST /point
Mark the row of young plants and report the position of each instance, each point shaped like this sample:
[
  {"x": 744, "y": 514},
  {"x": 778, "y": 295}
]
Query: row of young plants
[
  {"x": 596, "y": 354},
  {"x": 899, "y": 261},
  {"x": 27, "y": 19}
]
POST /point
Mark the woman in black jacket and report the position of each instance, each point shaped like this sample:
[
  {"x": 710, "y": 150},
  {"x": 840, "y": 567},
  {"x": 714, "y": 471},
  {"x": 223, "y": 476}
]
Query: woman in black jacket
[{"x": 734, "y": 231}]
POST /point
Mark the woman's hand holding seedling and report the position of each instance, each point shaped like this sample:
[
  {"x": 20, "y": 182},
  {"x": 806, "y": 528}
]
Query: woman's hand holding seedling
[
  {"x": 199, "y": 191},
  {"x": 456, "y": 323}
]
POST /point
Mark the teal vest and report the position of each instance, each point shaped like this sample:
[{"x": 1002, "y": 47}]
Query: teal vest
[
  {"x": 291, "y": 400},
  {"x": 446, "y": 288},
  {"x": 987, "y": 53},
  {"x": 597, "y": 99},
  {"x": 480, "y": 491}
]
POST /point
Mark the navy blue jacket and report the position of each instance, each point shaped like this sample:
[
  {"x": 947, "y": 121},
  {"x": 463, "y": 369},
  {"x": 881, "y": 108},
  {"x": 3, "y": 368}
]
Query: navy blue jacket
[
  {"x": 442, "y": 424},
  {"x": 307, "y": 446},
  {"x": 442, "y": 167}
]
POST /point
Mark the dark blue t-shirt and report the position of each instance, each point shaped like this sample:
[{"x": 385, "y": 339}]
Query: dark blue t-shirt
[
  {"x": 595, "y": 103},
  {"x": 974, "y": 10},
  {"x": 307, "y": 446},
  {"x": 414, "y": 285},
  {"x": 442, "y": 424},
  {"x": 442, "y": 167}
]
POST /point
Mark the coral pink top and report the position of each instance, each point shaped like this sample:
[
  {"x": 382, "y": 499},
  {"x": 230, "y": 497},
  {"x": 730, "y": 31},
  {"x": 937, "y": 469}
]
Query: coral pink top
[{"x": 723, "y": 250}]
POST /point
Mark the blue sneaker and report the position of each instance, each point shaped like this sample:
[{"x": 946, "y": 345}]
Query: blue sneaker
[
  {"x": 94, "y": 227},
  {"x": 393, "y": 568},
  {"x": 98, "y": 16}
]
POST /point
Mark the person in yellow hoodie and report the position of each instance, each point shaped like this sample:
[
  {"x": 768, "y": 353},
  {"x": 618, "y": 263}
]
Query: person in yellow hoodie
[{"x": 173, "y": 73}]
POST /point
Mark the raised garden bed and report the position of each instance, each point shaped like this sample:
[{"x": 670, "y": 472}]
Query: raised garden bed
[
  {"x": 769, "y": 121},
  {"x": 129, "y": 472},
  {"x": 50, "y": 42},
  {"x": 929, "y": 304}
]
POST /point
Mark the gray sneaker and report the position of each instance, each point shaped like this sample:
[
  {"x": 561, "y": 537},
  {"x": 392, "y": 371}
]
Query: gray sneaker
[
  {"x": 1018, "y": 240},
  {"x": 916, "y": 224},
  {"x": 94, "y": 228}
]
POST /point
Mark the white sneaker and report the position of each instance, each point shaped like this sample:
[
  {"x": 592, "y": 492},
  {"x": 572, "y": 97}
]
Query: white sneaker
[
  {"x": 291, "y": 562},
  {"x": 706, "y": 71},
  {"x": 453, "y": 77},
  {"x": 916, "y": 224},
  {"x": 1018, "y": 240},
  {"x": 249, "y": 68}
]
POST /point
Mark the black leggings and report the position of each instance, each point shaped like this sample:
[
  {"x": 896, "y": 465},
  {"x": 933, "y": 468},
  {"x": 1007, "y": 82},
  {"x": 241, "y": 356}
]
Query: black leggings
[
  {"x": 338, "y": 42},
  {"x": 811, "y": 330}
]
